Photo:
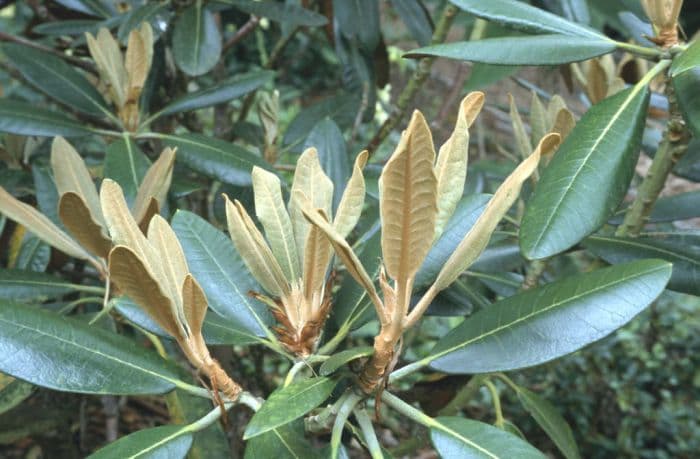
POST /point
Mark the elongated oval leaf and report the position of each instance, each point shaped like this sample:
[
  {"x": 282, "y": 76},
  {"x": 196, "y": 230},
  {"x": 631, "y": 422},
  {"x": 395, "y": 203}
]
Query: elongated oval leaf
[
  {"x": 69, "y": 355},
  {"x": 417, "y": 19},
  {"x": 215, "y": 158},
  {"x": 56, "y": 78},
  {"x": 542, "y": 324},
  {"x": 341, "y": 358},
  {"x": 684, "y": 256},
  {"x": 224, "y": 91},
  {"x": 289, "y": 403},
  {"x": 288, "y": 13},
  {"x": 213, "y": 260},
  {"x": 27, "y": 119},
  {"x": 685, "y": 85},
  {"x": 196, "y": 40},
  {"x": 17, "y": 284},
  {"x": 588, "y": 177},
  {"x": 529, "y": 50},
  {"x": 459, "y": 438},
  {"x": 327, "y": 138},
  {"x": 285, "y": 442},
  {"x": 521, "y": 16},
  {"x": 164, "y": 442}
]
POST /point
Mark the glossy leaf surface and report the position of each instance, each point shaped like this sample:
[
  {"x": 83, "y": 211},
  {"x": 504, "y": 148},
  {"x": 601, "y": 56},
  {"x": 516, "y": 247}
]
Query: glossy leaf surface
[
  {"x": 27, "y": 119},
  {"x": 196, "y": 40},
  {"x": 164, "y": 442}
]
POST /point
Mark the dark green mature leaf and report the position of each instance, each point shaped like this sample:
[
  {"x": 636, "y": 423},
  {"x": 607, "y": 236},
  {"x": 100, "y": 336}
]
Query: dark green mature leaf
[
  {"x": 341, "y": 358},
  {"x": 17, "y": 284},
  {"x": 484, "y": 75},
  {"x": 459, "y": 438},
  {"x": 521, "y": 50},
  {"x": 684, "y": 256},
  {"x": 414, "y": 14},
  {"x": 548, "y": 322},
  {"x": 224, "y": 91},
  {"x": 288, "y": 13},
  {"x": 213, "y": 260},
  {"x": 687, "y": 60},
  {"x": 27, "y": 119},
  {"x": 341, "y": 108},
  {"x": 56, "y": 78},
  {"x": 548, "y": 417},
  {"x": 681, "y": 206},
  {"x": 328, "y": 140},
  {"x": 68, "y": 27},
  {"x": 521, "y": 16},
  {"x": 164, "y": 442},
  {"x": 196, "y": 40},
  {"x": 289, "y": 403},
  {"x": 588, "y": 176},
  {"x": 286, "y": 442},
  {"x": 150, "y": 12},
  {"x": 46, "y": 193},
  {"x": 69, "y": 355},
  {"x": 126, "y": 164},
  {"x": 467, "y": 212},
  {"x": 91, "y": 7},
  {"x": 34, "y": 255},
  {"x": 216, "y": 330},
  {"x": 13, "y": 392},
  {"x": 686, "y": 85},
  {"x": 215, "y": 158}
]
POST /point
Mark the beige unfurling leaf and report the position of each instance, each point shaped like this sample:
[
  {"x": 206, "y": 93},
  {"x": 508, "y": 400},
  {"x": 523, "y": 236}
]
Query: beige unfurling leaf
[
  {"x": 538, "y": 118},
  {"x": 78, "y": 220},
  {"x": 317, "y": 255},
  {"x": 310, "y": 180},
  {"x": 256, "y": 255},
  {"x": 478, "y": 237},
  {"x": 346, "y": 254},
  {"x": 596, "y": 81},
  {"x": 556, "y": 103},
  {"x": 270, "y": 210},
  {"x": 155, "y": 184},
  {"x": 564, "y": 123},
  {"x": 195, "y": 304},
  {"x": 151, "y": 210},
  {"x": 353, "y": 199},
  {"x": 39, "y": 224},
  {"x": 408, "y": 201},
  {"x": 451, "y": 165},
  {"x": 108, "y": 58},
  {"x": 129, "y": 272},
  {"x": 522, "y": 139},
  {"x": 71, "y": 175},
  {"x": 139, "y": 53}
]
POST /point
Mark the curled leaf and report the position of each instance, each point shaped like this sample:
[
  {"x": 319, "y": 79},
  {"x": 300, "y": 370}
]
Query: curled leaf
[
  {"x": 77, "y": 218},
  {"x": 353, "y": 199}
]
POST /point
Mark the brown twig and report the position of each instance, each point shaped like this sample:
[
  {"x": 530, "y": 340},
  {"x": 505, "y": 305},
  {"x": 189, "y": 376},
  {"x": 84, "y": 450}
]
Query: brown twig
[{"x": 241, "y": 33}]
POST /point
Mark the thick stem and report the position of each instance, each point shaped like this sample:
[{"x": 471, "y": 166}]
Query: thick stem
[
  {"x": 375, "y": 369},
  {"x": 672, "y": 147},
  {"x": 411, "y": 89}
]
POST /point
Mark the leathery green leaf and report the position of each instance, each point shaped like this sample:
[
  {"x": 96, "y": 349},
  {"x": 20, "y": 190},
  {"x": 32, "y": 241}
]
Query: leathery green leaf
[
  {"x": 196, "y": 40},
  {"x": 588, "y": 177},
  {"x": 547, "y": 322},
  {"x": 171, "y": 442},
  {"x": 27, "y": 119}
]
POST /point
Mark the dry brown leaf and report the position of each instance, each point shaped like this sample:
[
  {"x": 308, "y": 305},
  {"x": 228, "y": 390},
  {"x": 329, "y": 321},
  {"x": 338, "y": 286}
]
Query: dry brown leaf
[
  {"x": 41, "y": 226},
  {"x": 129, "y": 272},
  {"x": 353, "y": 199},
  {"x": 151, "y": 210},
  {"x": 77, "y": 218},
  {"x": 256, "y": 254},
  {"x": 155, "y": 184},
  {"x": 564, "y": 123},
  {"x": 408, "y": 201},
  {"x": 596, "y": 81}
]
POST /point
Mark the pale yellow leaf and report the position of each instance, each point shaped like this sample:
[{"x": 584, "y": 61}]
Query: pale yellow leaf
[
  {"x": 72, "y": 175},
  {"x": 476, "y": 240},
  {"x": 41, "y": 226},
  {"x": 451, "y": 165},
  {"x": 309, "y": 179},
  {"x": 155, "y": 184},
  {"x": 129, "y": 272},
  {"x": 195, "y": 304},
  {"x": 139, "y": 53},
  {"x": 252, "y": 247},
  {"x": 522, "y": 139},
  {"x": 353, "y": 199},
  {"x": 108, "y": 58},
  {"x": 76, "y": 217},
  {"x": 270, "y": 210},
  {"x": 408, "y": 201},
  {"x": 317, "y": 257}
]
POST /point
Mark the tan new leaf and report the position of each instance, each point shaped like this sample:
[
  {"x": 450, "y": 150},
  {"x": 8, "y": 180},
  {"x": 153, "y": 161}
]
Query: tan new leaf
[
  {"x": 256, "y": 254},
  {"x": 564, "y": 123},
  {"x": 129, "y": 272},
  {"x": 477, "y": 238},
  {"x": 539, "y": 124},
  {"x": 451, "y": 165},
  {"x": 108, "y": 57},
  {"x": 353, "y": 199},
  {"x": 77, "y": 218},
  {"x": 522, "y": 139},
  {"x": 146, "y": 216},
  {"x": 270, "y": 210},
  {"x": 596, "y": 81},
  {"x": 195, "y": 304},
  {"x": 139, "y": 53},
  {"x": 317, "y": 255},
  {"x": 39, "y": 224},
  {"x": 71, "y": 175},
  {"x": 346, "y": 254},
  {"x": 310, "y": 180},
  {"x": 408, "y": 201},
  {"x": 121, "y": 224},
  {"x": 155, "y": 184}
]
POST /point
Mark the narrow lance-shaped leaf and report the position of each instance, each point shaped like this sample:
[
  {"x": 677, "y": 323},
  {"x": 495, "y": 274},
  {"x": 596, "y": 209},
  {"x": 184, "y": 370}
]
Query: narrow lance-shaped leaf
[
  {"x": 478, "y": 237},
  {"x": 350, "y": 206},
  {"x": 139, "y": 54},
  {"x": 173, "y": 442},
  {"x": 78, "y": 219},
  {"x": 255, "y": 252},
  {"x": 317, "y": 255},
  {"x": 408, "y": 201},
  {"x": 29, "y": 217},
  {"x": 522, "y": 140},
  {"x": 451, "y": 165},
  {"x": 270, "y": 210},
  {"x": 27, "y": 119},
  {"x": 105, "y": 51},
  {"x": 155, "y": 184}
]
